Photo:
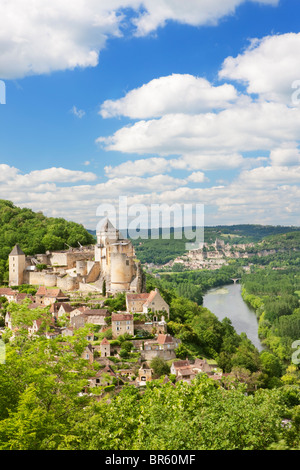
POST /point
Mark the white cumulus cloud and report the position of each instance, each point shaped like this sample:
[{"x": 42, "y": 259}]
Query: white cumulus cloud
[
  {"x": 175, "y": 93},
  {"x": 39, "y": 37},
  {"x": 269, "y": 67}
]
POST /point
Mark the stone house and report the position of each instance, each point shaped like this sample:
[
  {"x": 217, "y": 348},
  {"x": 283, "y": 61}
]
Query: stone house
[
  {"x": 77, "y": 311},
  {"x": 143, "y": 303},
  {"x": 8, "y": 293},
  {"x": 88, "y": 353},
  {"x": 135, "y": 302},
  {"x": 91, "y": 316},
  {"x": 163, "y": 346},
  {"x": 68, "y": 331},
  {"x": 46, "y": 296},
  {"x": 105, "y": 348},
  {"x": 183, "y": 370},
  {"x": 122, "y": 323},
  {"x": 152, "y": 327},
  {"x": 145, "y": 374},
  {"x": 186, "y": 370},
  {"x": 59, "y": 309},
  {"x": 103, "y": 377},
  {"x": 20, "y": 297}
]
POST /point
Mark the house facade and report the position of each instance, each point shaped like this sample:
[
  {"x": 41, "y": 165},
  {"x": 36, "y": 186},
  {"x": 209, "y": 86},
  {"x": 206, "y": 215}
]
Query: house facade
[
  {"x": 163, "y": 346},
  {"x": 122, "y": 323},
  {"x": 105, "y": 348},
  {"x": 46, "y": 296},
  {"x": 143, "y": 303}
]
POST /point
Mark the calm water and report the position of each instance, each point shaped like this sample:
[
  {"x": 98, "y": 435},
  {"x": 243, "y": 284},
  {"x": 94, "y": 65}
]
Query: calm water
[{"x": 228, "y": 302}]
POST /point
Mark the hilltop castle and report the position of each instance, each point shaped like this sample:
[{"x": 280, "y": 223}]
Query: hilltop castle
[{"x": 111, "y": 262}]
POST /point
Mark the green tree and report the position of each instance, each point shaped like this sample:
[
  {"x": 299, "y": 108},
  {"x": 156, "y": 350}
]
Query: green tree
[{"x": 159, "y": 366}]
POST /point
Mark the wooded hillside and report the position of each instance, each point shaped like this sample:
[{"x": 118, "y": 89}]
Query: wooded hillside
[{"x": 35, "y": 233}]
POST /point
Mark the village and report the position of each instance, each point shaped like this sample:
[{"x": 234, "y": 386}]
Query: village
[
  {"x": 142, "y": 326},
  {"x": 123, "y": 342}
]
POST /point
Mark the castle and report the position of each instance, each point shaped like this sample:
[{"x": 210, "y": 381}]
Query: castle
[{"x": 110, "y": 263}]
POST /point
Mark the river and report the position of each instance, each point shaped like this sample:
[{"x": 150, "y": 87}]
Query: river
[{"x": 227, "y": 302}]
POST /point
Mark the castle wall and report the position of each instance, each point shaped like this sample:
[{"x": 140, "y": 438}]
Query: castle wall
[
  {"x": 69, "y": 258},
  {"x": 35, "y": 278},
  {"x": 67, "y": 283},
  {"x": 50, "y": 280},
  {"x": 81, "y": 268},
  {"x": 166, "y": 355},
  {"x": 93, "y": 273},
  {"x": 43, "y": 259}
]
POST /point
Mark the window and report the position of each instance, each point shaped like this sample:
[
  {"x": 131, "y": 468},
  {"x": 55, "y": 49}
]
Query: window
[{"x": 127, "y": 262}]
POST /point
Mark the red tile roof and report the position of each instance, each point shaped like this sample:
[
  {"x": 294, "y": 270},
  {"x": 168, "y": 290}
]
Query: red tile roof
[
  {"x": 104, "y": 341},
  {"x": 179, "y": 364},
  {"x": 50, "y": 292},
  {"x": 121, "y": 316},
  {"x": 151, "y": 297},
  {"x": 7, "y": 291},
  {"x": 137, "y": 296},
  {"x": 163, "y": 339}
]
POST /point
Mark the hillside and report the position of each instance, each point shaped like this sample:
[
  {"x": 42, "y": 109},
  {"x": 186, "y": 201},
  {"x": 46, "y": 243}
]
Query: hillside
[
  {"x": 162, "y": 251},
  {"x": 35, "y": 233}
]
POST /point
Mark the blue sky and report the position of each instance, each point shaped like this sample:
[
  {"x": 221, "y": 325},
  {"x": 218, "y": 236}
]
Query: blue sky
[{"x": 156, "y": 101}]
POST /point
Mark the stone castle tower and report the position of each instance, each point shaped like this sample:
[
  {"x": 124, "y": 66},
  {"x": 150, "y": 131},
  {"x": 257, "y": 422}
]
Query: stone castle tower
[
  {"x": 118, "y": 265},
  {"x": 17, "y": 265}
]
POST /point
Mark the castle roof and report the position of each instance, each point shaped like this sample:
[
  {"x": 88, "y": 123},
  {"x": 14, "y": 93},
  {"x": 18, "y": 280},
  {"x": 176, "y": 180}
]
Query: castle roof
[{"x": 16, "y": 251}]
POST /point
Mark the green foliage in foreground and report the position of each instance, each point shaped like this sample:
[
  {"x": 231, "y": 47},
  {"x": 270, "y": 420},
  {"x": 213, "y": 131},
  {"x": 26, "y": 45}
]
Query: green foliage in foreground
[
  {"x": 44, "y": 404},
  {"x": 42, "y": 409}
]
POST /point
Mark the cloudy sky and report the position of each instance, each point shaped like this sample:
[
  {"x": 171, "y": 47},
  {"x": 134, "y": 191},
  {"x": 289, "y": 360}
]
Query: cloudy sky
[{"x": 161, "y": 101}]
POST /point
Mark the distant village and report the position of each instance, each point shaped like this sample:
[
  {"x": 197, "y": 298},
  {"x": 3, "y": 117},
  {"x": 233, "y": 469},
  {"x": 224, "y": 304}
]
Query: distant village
[
  {"x": 74, "y": 286},
  {"x": 212, "y": 256}
]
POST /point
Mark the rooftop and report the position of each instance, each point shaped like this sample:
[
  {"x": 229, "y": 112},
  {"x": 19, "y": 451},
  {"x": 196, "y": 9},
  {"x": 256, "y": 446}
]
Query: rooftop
[{"x": 16, "y": 251}]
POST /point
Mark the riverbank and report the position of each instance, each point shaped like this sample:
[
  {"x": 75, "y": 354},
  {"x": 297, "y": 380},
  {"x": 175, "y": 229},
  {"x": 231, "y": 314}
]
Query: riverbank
[{"x": 227, "y": 301}]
